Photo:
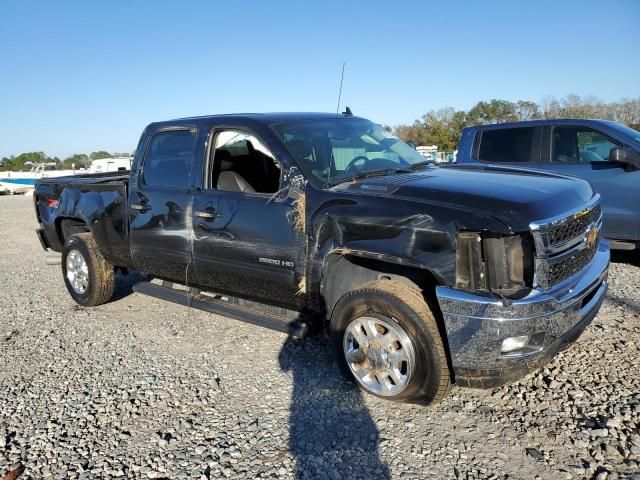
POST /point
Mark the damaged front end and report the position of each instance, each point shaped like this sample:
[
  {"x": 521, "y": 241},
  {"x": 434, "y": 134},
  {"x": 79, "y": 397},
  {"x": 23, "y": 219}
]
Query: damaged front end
[
  {"x": 519, "y": 299},
  {"x": 501, "y": 264}
]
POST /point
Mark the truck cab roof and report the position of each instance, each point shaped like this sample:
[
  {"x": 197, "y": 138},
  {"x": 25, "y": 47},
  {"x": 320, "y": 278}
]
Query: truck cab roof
[
  {"x": 268, "y": 118},
  {"x": 544, "y": 122}
]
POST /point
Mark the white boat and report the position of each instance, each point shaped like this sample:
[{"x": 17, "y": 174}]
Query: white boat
[
  {"x": 16, "y": 186},
  {"x": 24, "y": 182},
  {"x": 113, "y": 164}
]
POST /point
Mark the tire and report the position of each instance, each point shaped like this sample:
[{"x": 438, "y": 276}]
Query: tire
[
  {"x": 94, "y": 276},
  {"x": 405, "y": 363}
]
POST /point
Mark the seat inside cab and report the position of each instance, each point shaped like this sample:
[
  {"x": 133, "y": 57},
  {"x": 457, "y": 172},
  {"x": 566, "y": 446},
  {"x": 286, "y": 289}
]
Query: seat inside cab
[{"x": 241, "y": 163}]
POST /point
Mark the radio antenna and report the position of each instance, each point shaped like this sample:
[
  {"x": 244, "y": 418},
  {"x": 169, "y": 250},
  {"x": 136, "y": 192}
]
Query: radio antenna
[{"x": 340, "y": 90}]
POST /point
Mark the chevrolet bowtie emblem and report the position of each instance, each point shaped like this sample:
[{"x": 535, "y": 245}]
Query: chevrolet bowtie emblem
[{"x": 591, "y": 235}]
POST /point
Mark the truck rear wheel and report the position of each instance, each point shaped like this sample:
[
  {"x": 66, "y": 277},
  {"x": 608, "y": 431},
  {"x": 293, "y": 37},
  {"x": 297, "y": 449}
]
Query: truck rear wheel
[
  {"x": 88, "y": 276},
  {"x": 387, "y": 340}
]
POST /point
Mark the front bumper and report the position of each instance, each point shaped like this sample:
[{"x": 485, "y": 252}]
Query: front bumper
[{"x": 477, "y": 325}]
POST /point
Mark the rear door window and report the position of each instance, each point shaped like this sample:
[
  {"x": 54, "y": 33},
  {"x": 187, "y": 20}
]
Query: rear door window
[
  {"x": 168, "y": 159},
  {"x": 507, "y": 145}
]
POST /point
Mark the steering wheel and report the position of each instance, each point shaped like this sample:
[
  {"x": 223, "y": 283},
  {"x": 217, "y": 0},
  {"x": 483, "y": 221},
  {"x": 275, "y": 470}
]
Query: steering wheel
[{"x": 352, "y": 164}]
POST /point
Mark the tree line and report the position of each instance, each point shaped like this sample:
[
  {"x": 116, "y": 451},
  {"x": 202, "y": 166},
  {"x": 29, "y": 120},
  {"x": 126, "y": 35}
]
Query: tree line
[
  {"x": 443, "y": 127},
  {"x": 25, "y": 161}
]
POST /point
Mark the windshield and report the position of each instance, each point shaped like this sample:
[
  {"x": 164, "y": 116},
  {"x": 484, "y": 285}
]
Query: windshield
[
  {"x": 627, "y": 132},
  {"x": 330, "y": 151}
]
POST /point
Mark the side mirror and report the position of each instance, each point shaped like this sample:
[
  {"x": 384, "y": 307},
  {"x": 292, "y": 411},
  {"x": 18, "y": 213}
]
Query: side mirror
[
  {"x": 625, "y": 155},
  {"x": 296, "y": 179},
  {"x": 411, "y": 144}
]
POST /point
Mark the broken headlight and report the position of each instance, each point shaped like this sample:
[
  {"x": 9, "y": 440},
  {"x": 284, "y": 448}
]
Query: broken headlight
[{"x": 500, "y": 264}]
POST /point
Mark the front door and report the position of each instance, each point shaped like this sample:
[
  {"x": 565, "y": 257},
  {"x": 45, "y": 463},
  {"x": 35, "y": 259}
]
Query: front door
[
  {"x": 584, "y": 152},
  {"x": 245, "y": 243},
  {"x": 159, "y": 206}
]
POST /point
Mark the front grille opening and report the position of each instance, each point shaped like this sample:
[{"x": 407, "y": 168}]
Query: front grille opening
[
  {"x": 570, "y": 266},
  {"x": 569, "y": 230},
  {"x": 572, "y": 243},
  {"x": 589, "y": 296}
]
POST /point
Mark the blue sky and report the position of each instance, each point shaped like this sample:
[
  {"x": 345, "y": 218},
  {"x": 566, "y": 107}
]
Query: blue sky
[{"x": 83, "y": 76}]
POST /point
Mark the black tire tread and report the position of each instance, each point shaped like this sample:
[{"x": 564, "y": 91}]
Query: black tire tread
[
  {"x": 102, "y": 274},
  {"x": 414, "y": 299}
]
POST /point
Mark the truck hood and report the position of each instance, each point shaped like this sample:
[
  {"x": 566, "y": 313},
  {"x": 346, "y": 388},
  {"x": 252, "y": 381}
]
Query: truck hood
[{"x": 515, "y": 196}]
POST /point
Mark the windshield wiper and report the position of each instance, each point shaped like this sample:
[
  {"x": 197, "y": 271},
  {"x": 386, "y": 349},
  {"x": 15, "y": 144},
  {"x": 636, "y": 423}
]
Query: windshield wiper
[
  {"x": 371, "y": 173},
  {"x": 413, "y": 167}
]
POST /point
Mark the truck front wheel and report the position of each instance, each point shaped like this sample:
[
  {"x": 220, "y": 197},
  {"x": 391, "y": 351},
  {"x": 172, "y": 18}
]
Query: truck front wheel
[
  {"x": 387, "y": 340},
  {"x": 88, "y": 276}
]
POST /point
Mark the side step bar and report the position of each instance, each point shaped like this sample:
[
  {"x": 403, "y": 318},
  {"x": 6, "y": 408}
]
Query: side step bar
[
  {"x": 280, "y": 319},
  {"x": 620, "y": 245}
]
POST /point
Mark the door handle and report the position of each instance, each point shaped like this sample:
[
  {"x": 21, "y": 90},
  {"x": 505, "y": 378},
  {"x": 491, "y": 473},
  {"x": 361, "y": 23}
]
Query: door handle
[
  {"x": 141, "y": 207},
  {"x": 208, "y": 213}
]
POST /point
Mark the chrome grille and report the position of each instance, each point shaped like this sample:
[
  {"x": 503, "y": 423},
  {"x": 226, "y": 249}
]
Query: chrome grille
[
  {"x": 565, "y": 268},
  {"x": 564, "y": 232},
  {"x": 565, "y": 245}
]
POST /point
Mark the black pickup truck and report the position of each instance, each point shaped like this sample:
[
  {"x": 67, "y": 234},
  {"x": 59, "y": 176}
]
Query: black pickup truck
[{"x": 425, "y": 276}]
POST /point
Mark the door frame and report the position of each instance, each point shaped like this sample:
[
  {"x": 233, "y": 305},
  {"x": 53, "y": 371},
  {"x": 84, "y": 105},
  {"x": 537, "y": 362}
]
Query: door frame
[{"x": 280, "y": 197}]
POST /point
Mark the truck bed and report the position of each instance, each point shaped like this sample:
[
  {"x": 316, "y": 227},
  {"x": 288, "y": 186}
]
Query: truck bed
[
  {"x": 95, "y": 202},
  {"x": 87, "y": 179}
]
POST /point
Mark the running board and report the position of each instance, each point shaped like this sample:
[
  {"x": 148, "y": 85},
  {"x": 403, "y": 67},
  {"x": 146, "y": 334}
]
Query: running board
[{"x": 274, "y": 318}]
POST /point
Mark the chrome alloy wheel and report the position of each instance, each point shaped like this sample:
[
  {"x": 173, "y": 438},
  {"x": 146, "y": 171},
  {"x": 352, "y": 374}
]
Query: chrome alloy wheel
[
  {"x": 379, "y": 354},
  {"x": 77, "y": 272}
]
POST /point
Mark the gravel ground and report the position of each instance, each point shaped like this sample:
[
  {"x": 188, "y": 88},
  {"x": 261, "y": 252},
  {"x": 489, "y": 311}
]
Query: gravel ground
[{"x": 141, "y": 388}]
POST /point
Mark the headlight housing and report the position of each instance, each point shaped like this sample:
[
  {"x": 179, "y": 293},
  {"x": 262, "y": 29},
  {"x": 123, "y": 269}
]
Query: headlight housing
[{"x": 502, "y": 264}]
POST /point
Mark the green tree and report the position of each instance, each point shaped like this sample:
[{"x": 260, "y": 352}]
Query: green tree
[
  {"x": 99, "y": 154},
  {"x": 443, "y": 127},
  {"x": 77, "y": 160},
  {"x": 7, "y": 163},
  {"x": 415, "y": 133},
  {"x": 493, "y": 111},
  {"x": 527, "y": 110},
  {"x": 24, "y": 161},
  {"x": 438, "y": 127}
]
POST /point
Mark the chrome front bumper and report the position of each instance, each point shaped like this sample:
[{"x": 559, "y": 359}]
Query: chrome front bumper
[{"x": 477, "y": 325}]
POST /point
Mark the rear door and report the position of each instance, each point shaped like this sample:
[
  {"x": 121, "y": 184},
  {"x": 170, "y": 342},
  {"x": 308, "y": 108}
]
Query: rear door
[
  {"x": 516, "y": 146},
  {"x": 160, "y": 205},
  {"x": 584, "y": 152},
  {"x": 244, "y": 240}
]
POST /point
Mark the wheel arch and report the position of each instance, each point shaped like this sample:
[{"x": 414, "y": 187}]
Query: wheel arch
[
  {"x": 345, "y": 270},
  {"x": 67, "y": 226}
]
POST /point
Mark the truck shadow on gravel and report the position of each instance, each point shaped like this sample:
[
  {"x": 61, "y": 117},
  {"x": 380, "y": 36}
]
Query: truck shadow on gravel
[
  {"x": 628, "y": 257},
  {"x": 125, "y": 283},
  {"x": 332, "y": 435}
]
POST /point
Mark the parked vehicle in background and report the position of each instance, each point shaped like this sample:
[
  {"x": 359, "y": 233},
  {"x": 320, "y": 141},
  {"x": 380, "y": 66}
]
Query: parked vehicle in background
[
  {"x": 607, "y": 154},
  {"x": 112, "y": 164},
  {"x": 424, "y": 275},
  {"x": 430, "y": 152}
]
